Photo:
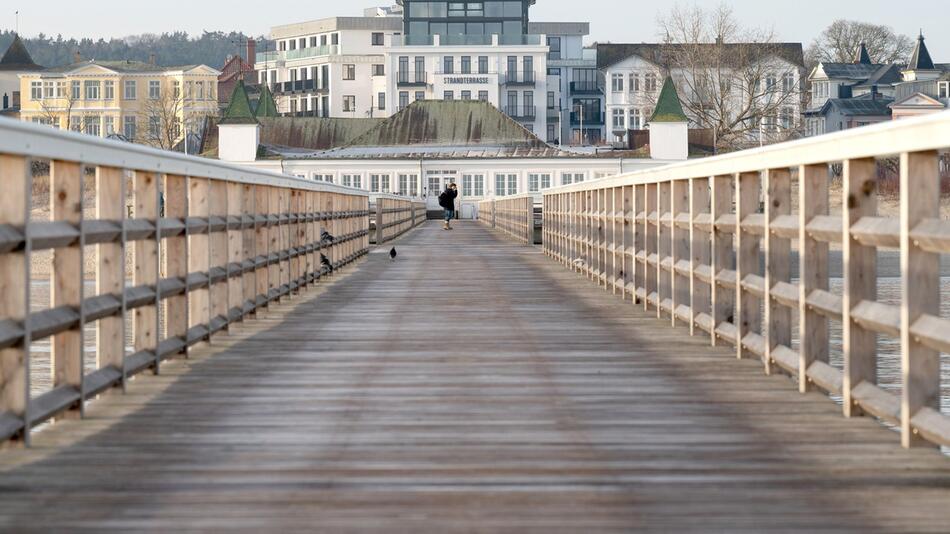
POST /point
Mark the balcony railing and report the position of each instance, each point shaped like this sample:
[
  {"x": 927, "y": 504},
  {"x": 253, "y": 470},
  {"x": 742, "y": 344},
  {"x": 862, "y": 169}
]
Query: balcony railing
[
  {"x": 519, "y": 77},
  {"x": 300, "y": 53},
  {"x": 299, "y": 86},
  {"x": 590, "y": 88},
  {"x": 466, "y": 40},
  {"x": 526, "y": 113},
  {"x": 587, "y": 118},
  {"x": 411, "y": 78}
]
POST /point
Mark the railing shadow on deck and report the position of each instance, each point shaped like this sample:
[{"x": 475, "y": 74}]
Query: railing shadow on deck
[
  {"x": 229, "y": 240},
  {"x": 690, "y": 240}
]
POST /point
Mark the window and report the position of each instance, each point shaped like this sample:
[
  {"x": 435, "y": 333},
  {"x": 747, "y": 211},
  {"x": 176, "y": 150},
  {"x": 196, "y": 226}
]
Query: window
[
  {"x": 154, "y": 89},
  {"x": 413, "y": 185},
  {"x": 349, "y": 72},
  {"x": 154, "y": 126},
  {"x": 448, "y": 95},
  {"x": 108, "y": 125},
  {"x": 75, "y": 90},
  {"x": 554, "y": 48},
  {"x": 649, "y": 82},
  {"x": 189, "y": 90},
  {"x": 36, "y": 90},
  {"x": 374, "y": 183},
  {"x": 483, "y": 64},
  {"x": 403, "y": 184},
  {"x": 466, "y": 64},
  {"x": 379, "y": 70},
  {"x": 635, "y": 120},
  {"x": 483, "y": 96},
  {"x": 466, "y": 95},
  {"x": 420, "y": 95},
  {"x": 313, "y": 41},
  {"x": 91, "y": 124},
  {"x": 552, "y": 133},
  {"x": 537, "y": 182},
  {"x": 473, "y": 185},
  {"x": 788, "y": 82},
  {"x": 528, "y": 64},
  {"x": 634, "y": 82},
  {"x": 352, "y": 180},
  {"x": 943, "y": 90},
  {"x": 554, "y": 71},
  {"x": 618, "y": 119},
  {"x": 552, "y": 100},
  {"x": 571, "y": 178},
  {"x": 293, "y": 44},
  {"x": 378, "y": 39},
  {"x": 787, "y": 118},
  {"x": 48, "y": 89},
  {"x": 109, "y": 89},
  {"x": 448, "y": 65},
  {"x": 349, "y": 102},
  {"x": 60, "y": 89},
  {"x": 616, "y": 83},
  {"x": 199, "y": 90},
  {"x": 403, "y": 99},
  {"x": 381, "y": 101},
  {"x": 506, "y": 184},
  {"x": 128, "y": 127}
]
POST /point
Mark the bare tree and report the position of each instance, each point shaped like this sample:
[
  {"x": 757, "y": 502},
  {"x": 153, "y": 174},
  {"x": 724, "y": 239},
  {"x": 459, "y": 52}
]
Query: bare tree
[
  {"x": 58, "y": 108},
  {"x": 737, "y": 82},
  {"x": 841, "y": 41},
  {"x": 161, "y": 118}
]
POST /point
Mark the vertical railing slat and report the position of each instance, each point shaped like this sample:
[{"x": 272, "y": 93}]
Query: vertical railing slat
[
  {"x": 813, "y": 267},
  {"x": 778, "y": 262}
]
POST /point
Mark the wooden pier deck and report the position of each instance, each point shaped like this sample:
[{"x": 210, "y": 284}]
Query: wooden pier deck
[{"x": 473, "y": 385}]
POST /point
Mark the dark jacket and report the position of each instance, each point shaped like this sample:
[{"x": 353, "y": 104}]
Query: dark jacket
[{"x": 447, "y": 199}]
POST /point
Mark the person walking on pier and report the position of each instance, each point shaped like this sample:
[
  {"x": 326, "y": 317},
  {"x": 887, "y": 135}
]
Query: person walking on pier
[{"x": 447, "y": 201}]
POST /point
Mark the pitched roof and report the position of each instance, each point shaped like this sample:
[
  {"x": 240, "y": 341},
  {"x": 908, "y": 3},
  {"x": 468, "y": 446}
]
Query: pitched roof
[
  {"x": 266, "y": 107},
  {"x": 884, "y": 75},
  {"x": 609, "y": 54},
  {"x": 239, "y": 108},
  {"x": 863, "y": 57},
  {"x": 849, "y": 71},
  {"x": 454, "y": 122},
  {"x": 668, "y": 106},
  {"x": 920, "y": 59},
  {"x": 122, "y": 65},
  {"x": 920, "y": 100},
  {"x": 865, "y": 105},
  {"x": 17, "y": 57}
]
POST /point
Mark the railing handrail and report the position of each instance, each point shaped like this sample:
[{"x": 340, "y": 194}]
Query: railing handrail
[
  {"x": 39, "y": 141},
  {"x": 917, "y": 134}
]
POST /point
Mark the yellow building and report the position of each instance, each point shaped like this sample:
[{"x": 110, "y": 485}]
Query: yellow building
[{"x": 141, "y": 102}]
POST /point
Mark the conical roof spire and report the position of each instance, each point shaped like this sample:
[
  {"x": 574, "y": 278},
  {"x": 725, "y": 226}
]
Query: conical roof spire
[
  {"x": 17, "y": 57},
  {"x": 863, "y": 57},
  {"x": 266, "y": 107},
  {"x": 668, "y": 106},
  {"x": 920, "y": 59},
  {"x": 239, "y": 109}
]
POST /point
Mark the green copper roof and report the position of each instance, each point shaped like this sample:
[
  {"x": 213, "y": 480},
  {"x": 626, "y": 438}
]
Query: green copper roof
[
  {"x": 266, "y": 107},
  {"x": 668, "y": 107},
  {"x": 239, "y": 109}
]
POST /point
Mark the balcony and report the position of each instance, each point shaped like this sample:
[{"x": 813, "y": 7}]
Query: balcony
[
  {"x": 299, "y": 86},
  {"x": 587, "y": 88},
  {"x": 467, "y": 40},
  {"x": 522, "y": 113},
  {"x": 411, "y": 78},
  {"x": 301, "y": 53},
  {"x": 587, "y": 118},
  {"x": 521, "y": 78}
]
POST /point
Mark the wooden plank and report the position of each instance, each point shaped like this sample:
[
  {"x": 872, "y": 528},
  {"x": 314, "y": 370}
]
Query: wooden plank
[
  {"x": 110, "y": 268},
  {"x": 860, "y": 280},
  {"x": 813, "y": 268},
  {"x": 15, "y": 203},
  {"x": 680, "y": 246},
  {"x": 700, "y": 253},
  {"x": 748, "y": 306},
  {"x": 261, "y": 244},
  {"x": 199, "y": 252},
  {"x": 235, "y": 250},
  {"x": 176, "y": 257},
  {"x": 920, "y": 292},
  {"x": 145, "y": 270},
  {"x": 66, "y": 205},
  {"x": 218, "y": 208},
  {"x": 778, "y": 263},
  {"x": 723, "y": 255}
]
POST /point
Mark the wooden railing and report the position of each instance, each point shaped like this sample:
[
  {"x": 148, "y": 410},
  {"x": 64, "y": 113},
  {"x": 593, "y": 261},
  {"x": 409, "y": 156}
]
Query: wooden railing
[
  {"x": 689, "y": 240},
  {"x": 514, "y": 216},
  {"x": 395, "y": 215},
  {"x": 210, "y": 244}
]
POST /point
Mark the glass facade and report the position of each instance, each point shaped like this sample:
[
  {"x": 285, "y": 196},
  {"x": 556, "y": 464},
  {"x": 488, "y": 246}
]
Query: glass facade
[{"x": 488, "y": 17}]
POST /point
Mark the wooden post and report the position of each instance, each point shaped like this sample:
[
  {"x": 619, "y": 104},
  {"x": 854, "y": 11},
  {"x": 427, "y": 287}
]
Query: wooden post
[
  {"x": 699, "y": 291},
  {"x": 778, "y": 260},
  {"x": 860, "y": 281},
  {"x": 15, "y": 204},
  {"x": 380, "y": 221},
  {"x": 249, "y": 280},
  {"x": 66, "y": 192},
  {"x": 920, "y": 284},
  {"x": 273, "y": 242},
  {"x": 235, "y": 248},
  {"x": 680, "y": 249},
  {"x": 813, "y": 266},
  {"x": 723, "y": 255},
  {"x": 639, "y": 243},
  {"x": 650, "y": 243},
  {"x": 199, "y": 255},
  {"x": 261, "y": 246},
  {"x": 664, "y": 210},
  {"x": 110, "y": 269},
  {"x": 629, "y": 246},
  {"x": 146, "y": 268},
  {"x": 176, "y": 258},
  {"x": 748, "y": 307}
]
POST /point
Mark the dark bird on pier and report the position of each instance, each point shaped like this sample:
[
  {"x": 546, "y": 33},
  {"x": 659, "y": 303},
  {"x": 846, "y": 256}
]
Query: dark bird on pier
[
  {"x": 325, "y": 237},
  {"x": 392, "y": 254},
  {"x": 326, "y": 263}
]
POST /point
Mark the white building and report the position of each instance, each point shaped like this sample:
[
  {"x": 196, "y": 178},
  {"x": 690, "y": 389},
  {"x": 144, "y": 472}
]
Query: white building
[{"x": 16, "y": 60}]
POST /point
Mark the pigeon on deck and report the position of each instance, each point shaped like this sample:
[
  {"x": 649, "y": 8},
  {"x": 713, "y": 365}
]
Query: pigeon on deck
[
  {"x": 325, "y": 237},
  {"x": 326, "y": 263},
  {"x": 392, "y": 254}
]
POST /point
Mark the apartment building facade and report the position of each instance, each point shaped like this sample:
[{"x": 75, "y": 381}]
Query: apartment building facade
[{"x": 140, "y": 102}]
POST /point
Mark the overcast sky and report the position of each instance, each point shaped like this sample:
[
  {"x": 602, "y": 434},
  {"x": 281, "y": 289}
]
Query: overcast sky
[{"x": 611, "y": 20}]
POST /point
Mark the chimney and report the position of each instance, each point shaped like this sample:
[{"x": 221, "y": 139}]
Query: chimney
[
  {"x": 719, "y": 40},
  {"x": 251, "y": 53},
  {"x": 151, "y": 59},
  {"x": 77, "y": 57}
]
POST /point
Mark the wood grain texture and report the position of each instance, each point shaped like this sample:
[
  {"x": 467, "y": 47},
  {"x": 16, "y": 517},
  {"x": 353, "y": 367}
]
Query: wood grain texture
[{"x": 485, "y": 390}]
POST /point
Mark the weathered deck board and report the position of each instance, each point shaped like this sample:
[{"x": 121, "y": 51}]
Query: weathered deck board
[{"x": 473, "y": 385}]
